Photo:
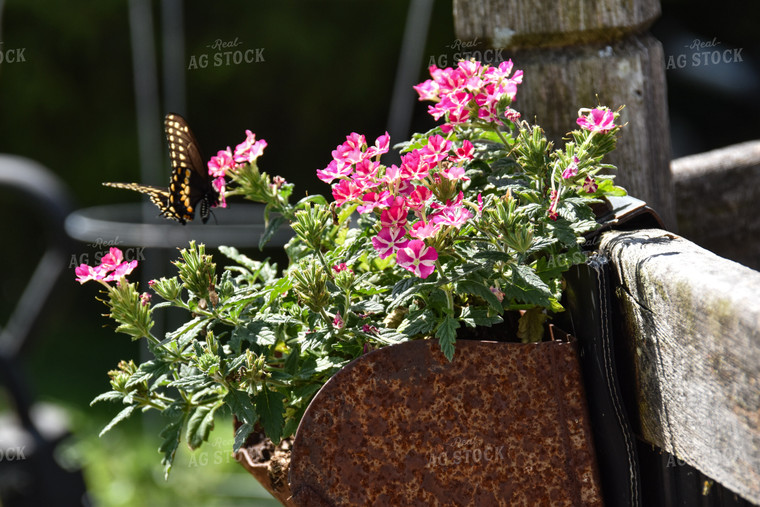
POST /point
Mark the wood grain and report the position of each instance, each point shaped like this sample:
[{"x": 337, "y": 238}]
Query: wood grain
[{"x": 693, "y": 321}]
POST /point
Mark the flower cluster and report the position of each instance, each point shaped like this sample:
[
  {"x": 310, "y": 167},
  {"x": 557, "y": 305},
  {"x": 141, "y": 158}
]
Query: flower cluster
[
  {"x": 112, "y": 267},
  {"x": 413, "y": 201},
  {"x": 226, "y": 161},
  {"x": 471, "y": 91}
]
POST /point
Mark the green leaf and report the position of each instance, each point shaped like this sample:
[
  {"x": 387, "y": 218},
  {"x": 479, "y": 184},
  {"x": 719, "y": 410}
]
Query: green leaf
[
  {"x": 241, "y": 435},
  {"x": 480, "y": 290},
  {"x": 418, "y": 322},
  {"x": 186, "y": 333},
  {"x": 241, "y": 405},
  {"x": 200, "y": 424},
  {"x": 474, "y": 316},
  {"x": 530, "y": 328},
  {"x": 191, "y": 383},
  {"x": 528, "y": 287},
  {"x": 272, "y": 227},
  {"x": 447, "y": 336},
  {"x": 109, "y": 396},
  {"x": 171, "y": 435},
  {"x": 150, "y": 370},
  {"x": 125, "y": 412},
  {"x": 270, "y": 409}
]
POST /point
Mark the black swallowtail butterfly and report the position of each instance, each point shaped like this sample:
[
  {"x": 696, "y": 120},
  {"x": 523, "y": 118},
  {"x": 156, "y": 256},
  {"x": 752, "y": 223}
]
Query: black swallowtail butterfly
[{"x": 190, "y": 185}]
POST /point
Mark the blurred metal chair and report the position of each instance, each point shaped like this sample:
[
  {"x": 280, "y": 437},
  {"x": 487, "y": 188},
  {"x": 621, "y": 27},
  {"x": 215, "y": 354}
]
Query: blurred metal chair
[{"x": 30, "y": 475}]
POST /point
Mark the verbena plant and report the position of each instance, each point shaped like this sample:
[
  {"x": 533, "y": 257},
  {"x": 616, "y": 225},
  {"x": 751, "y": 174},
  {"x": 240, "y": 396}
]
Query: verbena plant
[{"x": 481, "y": 217}]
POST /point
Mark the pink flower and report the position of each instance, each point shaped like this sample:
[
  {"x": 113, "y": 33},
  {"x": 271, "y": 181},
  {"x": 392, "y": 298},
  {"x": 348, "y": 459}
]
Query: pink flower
[
  {"x": 417, "y": 258},
  {"x": 112, "y": 267},
  {"x": 221, "y": 163},
  {"x": 589, "y": 185},
  {"x": 341, "y": 267},
  {"x": 112, "y": 259},
  {"x": 436, "y": 150},
  {"x": 413, "y": 167},
  {"x": 249, "y": 150},
  {"x": 382, "y": 145},
  {"x": 389, "y": 240},
  {"x": 512, "y": 115},
  {"x": 219, "y": 185},
  {"x": 145, "y": 299},
  {"x": 374, "y": 200},
  {"x": 572, "y": 169},
  {"x": 86, "y": 273},
  {"x": 552, "y": 212},
  {"x": 427, "y": 90},
  {"x": 346, "y": 191},
  {"x": 350, "y": 152},
  {"x": 422, "y": 230},
  {"x": 455, "y": 216},
  {"x": 338, "y": 321},
  {"x": 419, "y": 197},
  {"x": 455, "y": 173},
  {"x": 122, "y": 269},
  {"x": 334, "y": 170},
  {"x": 365, "y": 174},
  {"x": 599, "y": 119},
  {"x": 464, "y": 153},
  {"x": 395, "y": 215}
]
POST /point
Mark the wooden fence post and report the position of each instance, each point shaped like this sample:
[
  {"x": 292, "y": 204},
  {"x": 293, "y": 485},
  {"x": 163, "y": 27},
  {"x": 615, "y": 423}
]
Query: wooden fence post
[{"x": 575, "y": 50}]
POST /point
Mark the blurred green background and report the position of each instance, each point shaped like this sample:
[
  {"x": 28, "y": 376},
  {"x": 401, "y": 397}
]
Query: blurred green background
[{"x": 328, "y": 69}]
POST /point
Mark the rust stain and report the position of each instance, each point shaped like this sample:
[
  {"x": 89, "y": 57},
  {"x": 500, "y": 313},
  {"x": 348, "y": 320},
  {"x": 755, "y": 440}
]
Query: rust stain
[{"x": 502, "y": 424}]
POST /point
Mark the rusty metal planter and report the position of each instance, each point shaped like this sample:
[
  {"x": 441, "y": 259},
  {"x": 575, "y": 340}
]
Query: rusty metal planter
[{"x": 502, "y": 424}]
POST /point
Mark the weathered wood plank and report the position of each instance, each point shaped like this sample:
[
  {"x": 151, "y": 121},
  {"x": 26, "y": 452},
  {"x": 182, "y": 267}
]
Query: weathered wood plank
[
  {"x": 542, "y": 23},
  {"x": 693, "y": 322},
  {"x": 716, "y": 200}
]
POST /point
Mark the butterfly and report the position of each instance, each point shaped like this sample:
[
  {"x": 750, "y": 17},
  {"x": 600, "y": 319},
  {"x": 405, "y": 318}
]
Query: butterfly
[{"x": 190, "y": 184}]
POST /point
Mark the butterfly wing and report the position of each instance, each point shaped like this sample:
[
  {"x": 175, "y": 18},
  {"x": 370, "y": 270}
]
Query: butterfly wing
[
  {"x": 190, "y": 186},
  {"x": 158, "y": 196}
]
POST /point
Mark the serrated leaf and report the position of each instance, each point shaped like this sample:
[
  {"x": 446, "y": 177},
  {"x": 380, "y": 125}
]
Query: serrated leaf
[
  {"x": 528, "y": 287},
  {"x": 272, "y": 227},
  {"x": 190, "y": 383},
  {"x": 171, "y": 435},
  {"x": 109, "y": 396},
  {"x": 480, "y": 290},
  {"x": 125, "y": 412},
  {"x": 200, "y": 424},
  {"x": 270, "y": 408},
  {"x": 233, "y": 253},
  {"x": 390, "y": 337},
  {"x": 241, "y": 405},
  {"x": 150, "y": 370},
  {"x": 447, "y": 336},
  {"x": 186, "y": 333},
  {"x": 474, "y": 316},
  {"x": 241, "y": 435},
  {"x": 418, "y": 322}
]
